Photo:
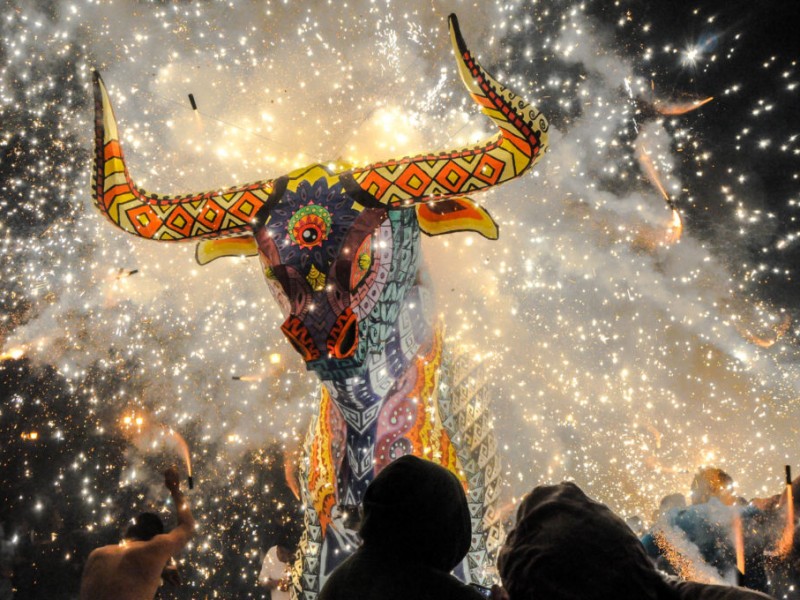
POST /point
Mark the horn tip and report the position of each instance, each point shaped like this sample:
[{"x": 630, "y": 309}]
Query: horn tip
[{"x": 455, "y": 30}]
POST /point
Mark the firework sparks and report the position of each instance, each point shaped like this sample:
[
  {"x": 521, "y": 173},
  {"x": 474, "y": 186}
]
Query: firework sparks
[
  {"x": 146, "y": 433},
  {"x": 591, "y": 324},
  {"x": 684, "y": 556}
]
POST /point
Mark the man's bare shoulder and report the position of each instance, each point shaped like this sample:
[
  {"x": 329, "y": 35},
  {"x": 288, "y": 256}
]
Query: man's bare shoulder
[
  {"x": 154, "y": 553},
  {"x": 105, "y": 553},
  {"x": 117, "y": 572},
  {"x": 106, "y": 550}
]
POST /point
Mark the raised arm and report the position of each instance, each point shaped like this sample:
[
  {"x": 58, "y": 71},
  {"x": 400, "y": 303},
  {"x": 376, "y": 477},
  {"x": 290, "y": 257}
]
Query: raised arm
[
  {"x": 184, "y": 531},
  {"x": 155, "y": 553}
]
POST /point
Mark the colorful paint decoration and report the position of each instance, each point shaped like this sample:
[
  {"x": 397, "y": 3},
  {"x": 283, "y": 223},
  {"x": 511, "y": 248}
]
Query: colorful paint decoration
[{"x": 340, "y": 250}]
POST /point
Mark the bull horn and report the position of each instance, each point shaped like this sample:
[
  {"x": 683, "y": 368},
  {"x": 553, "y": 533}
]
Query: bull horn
[
  {"x": 518, "y": 145},
  {"x": 211, "y": 214}
]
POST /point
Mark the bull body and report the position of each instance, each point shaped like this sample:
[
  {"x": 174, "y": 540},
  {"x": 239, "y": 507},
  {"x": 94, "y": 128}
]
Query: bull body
[{"x": 340, "y": 252}]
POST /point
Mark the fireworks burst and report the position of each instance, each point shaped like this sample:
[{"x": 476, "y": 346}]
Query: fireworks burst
[{"x": 601, "y": 327}]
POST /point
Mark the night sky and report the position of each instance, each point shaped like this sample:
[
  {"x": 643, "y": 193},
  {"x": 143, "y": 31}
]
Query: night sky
[{"x": 622, "y": 353}]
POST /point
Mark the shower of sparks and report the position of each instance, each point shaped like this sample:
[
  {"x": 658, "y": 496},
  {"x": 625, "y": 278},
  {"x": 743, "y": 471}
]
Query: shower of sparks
[
  {"x": 619, "y": 358},
  {"x": 145, "y": 431},
  {"x": 684, "y": 557}
]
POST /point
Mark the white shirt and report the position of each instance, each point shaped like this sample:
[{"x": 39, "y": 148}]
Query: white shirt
[{"x": 272, "y": 568}]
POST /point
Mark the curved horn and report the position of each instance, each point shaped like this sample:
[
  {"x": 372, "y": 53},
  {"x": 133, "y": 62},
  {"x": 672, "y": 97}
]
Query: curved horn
[
  {"x": 206, "y": 215},
  {"x": 518, "y": 145}
]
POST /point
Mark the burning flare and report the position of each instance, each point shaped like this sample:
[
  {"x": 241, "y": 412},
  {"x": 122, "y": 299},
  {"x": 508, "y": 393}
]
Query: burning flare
[
  {"x": 738, "y": 540},
  {"x": 786, "y": 542},
  {"x": 676, "y": 226},
  {"x": 679, "y": 108},
  {"x": 145, "y": 433}
]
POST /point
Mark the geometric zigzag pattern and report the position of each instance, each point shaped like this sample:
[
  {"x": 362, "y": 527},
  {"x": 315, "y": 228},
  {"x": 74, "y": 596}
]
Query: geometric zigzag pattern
[
  {"x": 518, "y": 145},
  {"x": 212, "y": 214},
  {"x": 464, "y": 409},
  {"x": 305, "y": 571},
  {"x": 464, "y": 403}
]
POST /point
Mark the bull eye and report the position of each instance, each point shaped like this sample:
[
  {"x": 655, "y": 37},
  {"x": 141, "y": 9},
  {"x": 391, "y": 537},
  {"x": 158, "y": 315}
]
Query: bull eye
[
  {"x": 362, "y": 262},
  {"x": 310, "y": 235},
  {"x": 310, "y": 226}
]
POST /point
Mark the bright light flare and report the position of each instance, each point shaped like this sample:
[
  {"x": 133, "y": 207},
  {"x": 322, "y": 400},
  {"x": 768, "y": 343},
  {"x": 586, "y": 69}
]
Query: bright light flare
[
  {"x": 676, "y": 228},
  {"x": 146, "y": 433},
  {"x": 679, "y": 108},
  {"x": 13, "y": 354},
  {"x": 133, "y": 421}
]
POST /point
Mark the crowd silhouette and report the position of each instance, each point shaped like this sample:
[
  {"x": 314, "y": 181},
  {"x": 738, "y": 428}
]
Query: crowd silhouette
[{"x": 415, "y": 531}]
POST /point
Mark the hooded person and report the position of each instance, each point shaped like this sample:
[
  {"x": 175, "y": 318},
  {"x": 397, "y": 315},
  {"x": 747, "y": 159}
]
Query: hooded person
[
  {"x": 415, "y": 530},
  {"x": 566, "y": 546}
]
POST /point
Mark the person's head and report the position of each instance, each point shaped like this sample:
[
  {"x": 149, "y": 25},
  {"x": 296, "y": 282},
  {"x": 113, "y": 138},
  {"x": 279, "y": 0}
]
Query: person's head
[
  {"x": 672, "y": 501},
  {"x": 711, "y": 482},
  {"x": 417, "y": 510},
  {"x": 144, "y": 527},
  {"x": 668, "y": 503},
  {"x": 284, "y": 553},
  {"x": 566, "y": 546}
]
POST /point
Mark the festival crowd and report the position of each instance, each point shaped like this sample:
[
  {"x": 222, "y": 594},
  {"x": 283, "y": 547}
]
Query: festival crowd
[{"x": 416, "y": 530}]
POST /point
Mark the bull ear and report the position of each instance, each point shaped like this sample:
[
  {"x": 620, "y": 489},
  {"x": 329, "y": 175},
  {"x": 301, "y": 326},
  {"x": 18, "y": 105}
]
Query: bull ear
[
  {"x": 519, "y": 143},
  {"x": 211, "y": 214},
  {"x": 209, "y": 250},
  {"x": 456, "y": 214}
]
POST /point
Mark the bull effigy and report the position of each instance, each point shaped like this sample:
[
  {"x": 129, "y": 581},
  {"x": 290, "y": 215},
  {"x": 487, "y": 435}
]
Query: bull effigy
[{"x": 340, "y": 250}]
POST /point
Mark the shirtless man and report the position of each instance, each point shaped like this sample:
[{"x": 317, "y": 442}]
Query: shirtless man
[{"x": 131, "y": 570}]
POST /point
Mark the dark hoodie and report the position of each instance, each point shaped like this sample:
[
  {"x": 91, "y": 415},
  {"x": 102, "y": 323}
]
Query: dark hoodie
[
  {"x": 566, "y": 546},
  {"x": 415, "y": 530}
]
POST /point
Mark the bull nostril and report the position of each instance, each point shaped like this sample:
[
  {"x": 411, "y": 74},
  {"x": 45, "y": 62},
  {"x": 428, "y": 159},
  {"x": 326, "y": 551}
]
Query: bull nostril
[
  {"x": 344, "y": 335},
  {"x": 347, "y": 345}
]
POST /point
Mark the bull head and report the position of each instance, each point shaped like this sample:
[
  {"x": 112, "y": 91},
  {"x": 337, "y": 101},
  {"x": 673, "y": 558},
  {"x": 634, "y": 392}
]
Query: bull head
[{"x": 337, "y": 247}]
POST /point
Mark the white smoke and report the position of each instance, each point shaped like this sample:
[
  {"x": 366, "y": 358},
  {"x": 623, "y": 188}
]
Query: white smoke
[{"x": 621, "y": 365}]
